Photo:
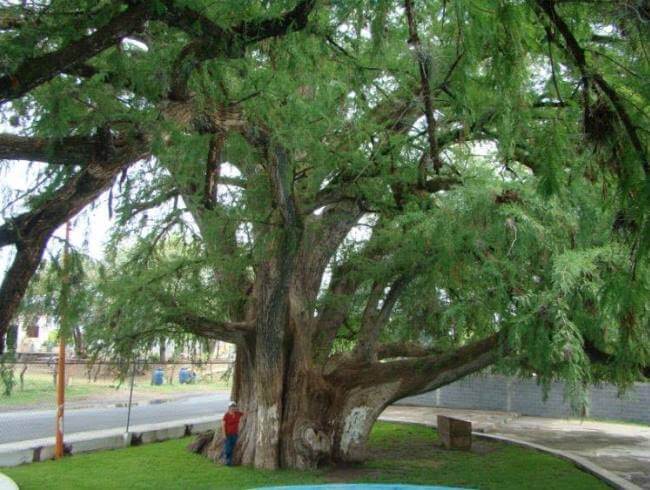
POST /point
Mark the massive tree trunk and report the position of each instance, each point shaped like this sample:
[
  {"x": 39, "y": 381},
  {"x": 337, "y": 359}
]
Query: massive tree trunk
[
  {"x": 316, "y": 418},
  {"x": 304, "y": 409},
  {"x": 305, "y": 406}
]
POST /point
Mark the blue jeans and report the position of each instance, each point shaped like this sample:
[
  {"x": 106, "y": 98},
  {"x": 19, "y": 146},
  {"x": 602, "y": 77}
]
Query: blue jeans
[{"x": 229, "y": 448}]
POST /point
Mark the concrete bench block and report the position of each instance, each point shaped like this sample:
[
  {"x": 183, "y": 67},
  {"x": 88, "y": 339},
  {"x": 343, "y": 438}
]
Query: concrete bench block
[
  {"x": 97, "y": 444},
  {"x": 162, "y": 434},
  {"x": 43, "y": 453},
  {"x": 14, "y": 458},
  {"x": 455, "y": 433}
]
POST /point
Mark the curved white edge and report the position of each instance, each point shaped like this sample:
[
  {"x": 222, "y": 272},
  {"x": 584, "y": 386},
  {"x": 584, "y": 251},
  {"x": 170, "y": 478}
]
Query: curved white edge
[
  {"x": 7, "y": 483},
  {"x": 612, "y": 479},
  {"x": 599, "y": 472}
]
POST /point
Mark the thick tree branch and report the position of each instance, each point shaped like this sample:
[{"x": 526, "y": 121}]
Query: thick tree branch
[
  {"x": 421, "y": 374},
  {"x": 211, "y": 41},
  {"x": 598, "y": 356},
  {"x": 424, "y": 65},
  {"x": 212, "y": 170},
  {"x": 31, "y": 230},
  {"x": 375, "y": 318},
  {"x": 294, "y": 20},
  {"x": 337, "y": 303},
  {"x": 8, "y": 236},
  {"x": 73, "y": 150},
  {"x": 405, "y": 349},
  {"x": 322, "y": 236},
  {"x": 280, "y": 175},
  {"x": 233, "y": 332},
  {"x": 33, "y": 72},
  {"x": 28, "y": 257}
]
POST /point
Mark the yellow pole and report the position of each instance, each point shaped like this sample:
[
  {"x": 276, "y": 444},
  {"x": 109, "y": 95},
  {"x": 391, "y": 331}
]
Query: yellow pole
[{"x": 60, "y": 376}]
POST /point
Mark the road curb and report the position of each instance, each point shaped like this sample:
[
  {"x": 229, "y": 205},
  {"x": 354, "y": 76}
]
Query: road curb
[
  {"x": 599, "y": 472},
  {"x": 35, "y": 450},
  {"x": 7, "y": 483}
]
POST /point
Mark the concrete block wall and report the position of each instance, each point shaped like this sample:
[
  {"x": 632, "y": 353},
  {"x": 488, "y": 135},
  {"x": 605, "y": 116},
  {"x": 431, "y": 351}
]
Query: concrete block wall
[{"x": 525, "y": 396}]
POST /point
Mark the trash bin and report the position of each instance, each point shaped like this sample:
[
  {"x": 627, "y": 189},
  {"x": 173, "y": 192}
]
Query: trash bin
[
  {"x": 186, "y": 375},
  {"x": 158, "y": 376}
]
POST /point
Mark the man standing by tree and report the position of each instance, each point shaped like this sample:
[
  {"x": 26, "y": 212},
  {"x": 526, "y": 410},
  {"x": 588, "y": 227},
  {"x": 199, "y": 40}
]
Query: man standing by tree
[{"x": 230, "y": 430}]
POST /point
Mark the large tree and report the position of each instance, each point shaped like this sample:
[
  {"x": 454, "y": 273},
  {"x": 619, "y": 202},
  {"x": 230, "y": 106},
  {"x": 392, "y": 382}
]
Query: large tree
[{"x": 370, "y": 199}]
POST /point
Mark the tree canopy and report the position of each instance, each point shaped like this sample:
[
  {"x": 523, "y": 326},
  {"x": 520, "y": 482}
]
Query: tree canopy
[{"x": 371, "y": 195}]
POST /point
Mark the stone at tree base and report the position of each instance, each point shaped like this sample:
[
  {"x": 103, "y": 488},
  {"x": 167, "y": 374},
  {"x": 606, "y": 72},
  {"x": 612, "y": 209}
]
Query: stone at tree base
[
  {"x": 455, "y": 433},
  {"x": 201, "y": 441}
]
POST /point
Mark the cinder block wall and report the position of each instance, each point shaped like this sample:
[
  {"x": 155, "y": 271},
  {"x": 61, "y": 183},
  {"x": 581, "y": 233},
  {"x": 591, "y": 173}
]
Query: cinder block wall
[{"x": 524, "y": 396}]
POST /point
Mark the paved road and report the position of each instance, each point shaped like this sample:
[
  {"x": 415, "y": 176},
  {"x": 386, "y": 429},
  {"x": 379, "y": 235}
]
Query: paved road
[{"x": 21, "y": 426}]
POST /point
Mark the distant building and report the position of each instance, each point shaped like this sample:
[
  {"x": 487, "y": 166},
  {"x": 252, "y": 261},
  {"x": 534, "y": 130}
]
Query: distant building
[
  {"x": 37, "y": 337},
  {"x": 40, "y": 337}
]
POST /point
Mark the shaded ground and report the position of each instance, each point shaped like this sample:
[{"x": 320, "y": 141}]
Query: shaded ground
[
  {"x": 623, "y": 449},
  {"x": 398, "y": 453}
]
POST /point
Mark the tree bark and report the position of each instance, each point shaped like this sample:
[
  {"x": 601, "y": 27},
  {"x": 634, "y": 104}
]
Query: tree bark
[
  {"x": 79, "y": 347},
  {"x": 310, "y": 420},
  {"x": 302, "y": 412},
  {"x": 40, "y": 69}
]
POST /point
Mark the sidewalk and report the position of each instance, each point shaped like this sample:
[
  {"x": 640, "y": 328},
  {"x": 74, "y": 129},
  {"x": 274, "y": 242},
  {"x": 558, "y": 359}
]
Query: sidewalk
[{"x": 623, "y": 449}]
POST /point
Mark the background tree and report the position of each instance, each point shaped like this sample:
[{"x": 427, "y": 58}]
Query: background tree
[
  {"x": 42, "y": 300},
  {"x": 397, "y": 196}
]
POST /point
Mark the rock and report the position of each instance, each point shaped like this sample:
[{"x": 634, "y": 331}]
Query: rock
[{"x": 201, "y": 440}]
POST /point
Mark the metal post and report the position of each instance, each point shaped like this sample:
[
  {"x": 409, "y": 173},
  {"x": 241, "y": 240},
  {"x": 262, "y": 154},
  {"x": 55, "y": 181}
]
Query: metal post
[
  {"x": 60, "y": 376},
  {"x": 128, "y": 416}
]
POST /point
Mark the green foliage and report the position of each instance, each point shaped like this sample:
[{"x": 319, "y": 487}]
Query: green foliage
[
  {"x": 543, "y": 234},
  {"x": 7, "y": 374},
  {"x": 61, "y": 292}
]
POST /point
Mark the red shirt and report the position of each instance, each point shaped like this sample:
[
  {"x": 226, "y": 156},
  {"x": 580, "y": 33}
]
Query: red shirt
[{"x": 232, "y": 422}]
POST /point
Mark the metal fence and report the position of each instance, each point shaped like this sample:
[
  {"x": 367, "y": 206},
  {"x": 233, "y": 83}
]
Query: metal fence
[{"x": 102, "y": 396}]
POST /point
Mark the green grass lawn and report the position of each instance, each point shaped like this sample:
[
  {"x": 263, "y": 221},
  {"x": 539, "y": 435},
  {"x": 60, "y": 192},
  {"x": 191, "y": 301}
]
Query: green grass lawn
[
  {"x": 397, "y": 453},
  {"x": 39, "y": 391}
]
